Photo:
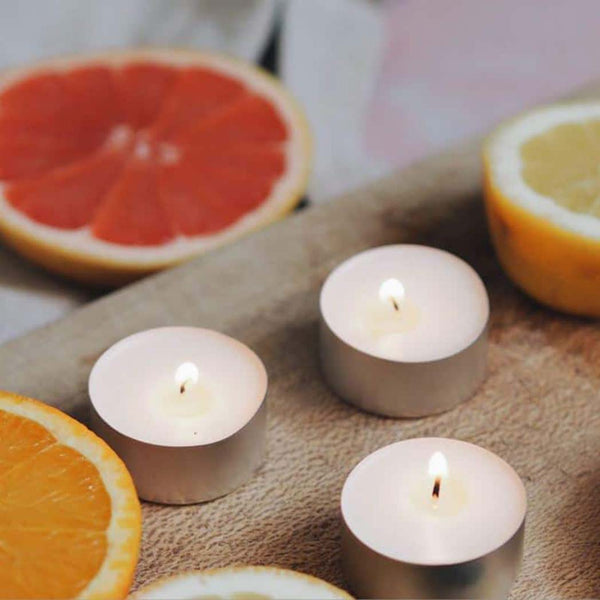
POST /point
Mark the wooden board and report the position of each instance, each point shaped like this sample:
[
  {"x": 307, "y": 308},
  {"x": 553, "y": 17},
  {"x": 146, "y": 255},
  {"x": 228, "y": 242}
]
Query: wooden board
[{"x": 538, "y": 409}]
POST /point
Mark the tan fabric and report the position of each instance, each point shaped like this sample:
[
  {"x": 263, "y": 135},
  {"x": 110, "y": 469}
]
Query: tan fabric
[{"x": 538, "y": 409}]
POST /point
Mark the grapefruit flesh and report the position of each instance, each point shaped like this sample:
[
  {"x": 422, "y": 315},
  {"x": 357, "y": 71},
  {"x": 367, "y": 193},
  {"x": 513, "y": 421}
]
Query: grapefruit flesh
[{"x": 115, "y": 166}]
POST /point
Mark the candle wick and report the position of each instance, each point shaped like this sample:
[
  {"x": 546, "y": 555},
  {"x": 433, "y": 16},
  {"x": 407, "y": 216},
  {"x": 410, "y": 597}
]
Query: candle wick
[
  {"x": 395, "y": 303},
  {"x": 182, "y": 387},
  {"x": 436, "y": 488}
]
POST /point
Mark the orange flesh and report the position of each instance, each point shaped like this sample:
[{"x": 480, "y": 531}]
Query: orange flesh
[
  {"x": 139, "y": 154},
  {"x": 54, "y": 514}
]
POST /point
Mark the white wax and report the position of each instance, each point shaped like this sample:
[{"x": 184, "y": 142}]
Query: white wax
[
  {"x": 443, "y": 310},
  {"x": 387, "y": 502},
  {"x": 135, "y": 388}
]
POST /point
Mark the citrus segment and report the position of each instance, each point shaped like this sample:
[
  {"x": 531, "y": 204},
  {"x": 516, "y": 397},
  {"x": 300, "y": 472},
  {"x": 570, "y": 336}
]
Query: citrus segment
[
  {"x": 141, "y": 90},
  {"x": 224, "y": 196},
  {"x": 69, "y": 516},
  {"x": 239, "y": 191},
  {"x": 251, "y": 119},
  {"x": 196, "y": 94},
  {"x": 542, "y": 193},
  {"x": 70, "y": 496},
  {"x": 193, "y": 209},
  {"x": 92, "y": 100},
  {"x": 563, "y": 163},
  {"x": 132, "y": 213},
  {"x": 67, "y": 197},
  {"x": 38, "y": 97},
  {"x": 50, "y": 121},
  {"x": 21, "y": 439},
  {"x": 77, "y": 106},
  {"x": 263, "y": 161},
  {"x": 61, "y": 572},
  {"x": 118, "y": 165},
  {"x": 19, "y": 160}
]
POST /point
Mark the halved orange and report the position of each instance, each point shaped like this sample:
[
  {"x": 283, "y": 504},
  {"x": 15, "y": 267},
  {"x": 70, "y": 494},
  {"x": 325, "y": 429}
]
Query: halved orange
[
  {"x": 542, "y": 193},
  {"x": 70, "y": 519},
  {"x": 116, "y": 165}
]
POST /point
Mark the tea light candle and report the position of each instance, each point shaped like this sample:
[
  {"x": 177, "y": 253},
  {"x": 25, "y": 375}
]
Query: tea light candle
[
  {"x": 404, "y": 330},
  {"x": 432, "y": 518},
  {"x": 184, "y": 408}
]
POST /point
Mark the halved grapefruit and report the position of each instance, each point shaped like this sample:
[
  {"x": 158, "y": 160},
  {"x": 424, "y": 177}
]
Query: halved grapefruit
[{"x": 116, "y": 165}]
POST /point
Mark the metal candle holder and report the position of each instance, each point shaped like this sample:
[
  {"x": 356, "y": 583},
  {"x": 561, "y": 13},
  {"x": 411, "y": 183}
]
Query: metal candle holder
[
  {"x": 404, "y": 385},
  {"x": 167, "y": 464},
  {"x": 454, "y": 531},
  {"x": 394, "y": 388},
  {"x": 372, "y": 575},
  {"x": 189, "y": 474}
]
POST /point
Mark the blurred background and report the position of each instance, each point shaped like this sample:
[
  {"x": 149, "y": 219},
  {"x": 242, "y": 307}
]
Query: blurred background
[{"x": 384, "y": 83}]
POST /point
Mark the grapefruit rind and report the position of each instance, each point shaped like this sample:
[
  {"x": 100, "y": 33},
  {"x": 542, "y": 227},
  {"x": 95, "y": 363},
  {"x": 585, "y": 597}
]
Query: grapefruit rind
[
  {"x": 78, "y": 254},
  {"x": 115, "y": 576}
]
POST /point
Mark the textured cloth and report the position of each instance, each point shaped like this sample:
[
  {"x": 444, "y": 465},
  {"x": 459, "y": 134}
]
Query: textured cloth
[
  {"x": 538, "y": 408},
  {"x": 330, "y": 59}
]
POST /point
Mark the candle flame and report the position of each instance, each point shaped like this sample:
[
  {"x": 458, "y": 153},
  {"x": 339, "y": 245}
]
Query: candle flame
[
  {"x": 392, "y": 290},
  {"x": 186, "y": 374},
  {"x": 438, "y": 465},
  {"x": 438, "y": 468}
]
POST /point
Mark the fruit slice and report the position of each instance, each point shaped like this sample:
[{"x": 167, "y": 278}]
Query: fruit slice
[
  {"x": 542, "y": 193},
  {"x": 70, "y": 519},
  {"x": 116, "y": 165},
  {"x": 241, "y": 583}
]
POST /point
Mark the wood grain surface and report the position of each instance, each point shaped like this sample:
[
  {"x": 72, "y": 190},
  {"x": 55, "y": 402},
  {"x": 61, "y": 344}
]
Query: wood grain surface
[{"x": 539, "y": 407}]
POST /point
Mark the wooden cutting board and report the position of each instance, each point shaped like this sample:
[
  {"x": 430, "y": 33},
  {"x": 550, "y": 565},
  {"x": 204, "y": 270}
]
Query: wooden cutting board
[{"x": 539, "y": 408}]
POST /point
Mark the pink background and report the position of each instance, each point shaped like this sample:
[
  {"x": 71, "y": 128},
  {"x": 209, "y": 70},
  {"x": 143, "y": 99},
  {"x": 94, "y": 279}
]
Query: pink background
[{"x": 451, "y": 69}]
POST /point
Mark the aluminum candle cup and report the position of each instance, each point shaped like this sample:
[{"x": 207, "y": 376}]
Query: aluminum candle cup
[
  {"x": 432, "y": 518},
  {"x": 404, "y": 330},
  {"x": 184, "y": 408}
]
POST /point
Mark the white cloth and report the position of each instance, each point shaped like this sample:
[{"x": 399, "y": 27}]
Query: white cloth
[
  {"x": 329, "y": 59},
  {"x": 33, "y": 29}
]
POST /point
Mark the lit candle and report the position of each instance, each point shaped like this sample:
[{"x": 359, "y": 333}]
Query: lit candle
[
  {"x": 432, "y": 518},
  {"x": 184, "y": 409},
  {"x": 404, "y": 330},
  {"x": 241, "y": 583},
  {"x": 187, "y": 394}
]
